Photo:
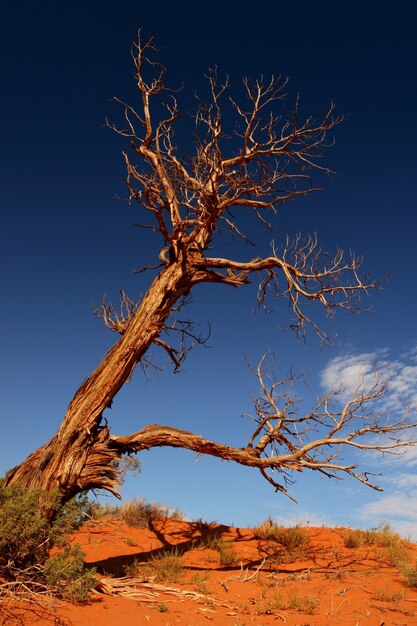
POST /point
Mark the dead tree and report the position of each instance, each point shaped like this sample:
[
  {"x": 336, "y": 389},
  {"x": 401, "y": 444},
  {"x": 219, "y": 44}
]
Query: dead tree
[{"x": 267, "y": 162}]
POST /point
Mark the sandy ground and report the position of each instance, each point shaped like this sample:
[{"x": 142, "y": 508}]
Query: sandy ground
[{"x": 322, "y": 584}]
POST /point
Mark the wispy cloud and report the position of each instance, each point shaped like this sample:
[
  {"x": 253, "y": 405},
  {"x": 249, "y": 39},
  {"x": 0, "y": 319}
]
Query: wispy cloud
[
  {"x": 348, "y": 371},
  {"x": 399, "y": 509}
]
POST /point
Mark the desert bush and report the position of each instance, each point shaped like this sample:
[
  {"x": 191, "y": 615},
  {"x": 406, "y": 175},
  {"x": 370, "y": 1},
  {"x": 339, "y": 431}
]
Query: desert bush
[
  {"x": 268, "y": 530},
  {"x": 199, "y": 580},
  {"x": 397, "y": 554},
  {"x": 288, "y": 545},
  {"x": 211, "y": 540},
  {"x": 293, "y": 539},
  {"x": 66, "y": 575},
  {"x": 227, "y": 554},
  {"x": 136, "y": 513},
  {"x": 166, "y": 567},
  {"x": 409, "y": 574},
  {"x": 139, "y": 513},
  {"x": 384, "y": 536},
  {"x": 294, "y": 601},
  {"x": 102, "y": 511},
  {"x": 31, "y": 523},
  {"x": 25, "y": 530},
  {"x": 353, "y": 540}
]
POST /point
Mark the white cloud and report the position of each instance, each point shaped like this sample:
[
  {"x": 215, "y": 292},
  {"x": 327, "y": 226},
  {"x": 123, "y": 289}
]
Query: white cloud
[
  {"x": 351, "y": 370},
  {"x": 406, "y": 480},
  {"x": 399, "y": 510}
]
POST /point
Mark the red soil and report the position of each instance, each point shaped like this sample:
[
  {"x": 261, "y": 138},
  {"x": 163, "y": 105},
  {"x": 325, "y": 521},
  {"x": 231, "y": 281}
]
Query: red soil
[{"x": 323, "y": 584}]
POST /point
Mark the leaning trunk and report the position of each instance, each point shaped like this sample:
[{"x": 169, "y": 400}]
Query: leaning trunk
[{"x": 81, "y": 456}]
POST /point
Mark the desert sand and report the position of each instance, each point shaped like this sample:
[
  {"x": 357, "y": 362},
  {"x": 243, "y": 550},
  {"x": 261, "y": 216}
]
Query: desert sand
[{"x": 231, "y": 576}]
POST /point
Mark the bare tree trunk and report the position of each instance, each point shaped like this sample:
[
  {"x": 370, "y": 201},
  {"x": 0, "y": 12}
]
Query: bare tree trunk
[{"x": 80, "y": 456}]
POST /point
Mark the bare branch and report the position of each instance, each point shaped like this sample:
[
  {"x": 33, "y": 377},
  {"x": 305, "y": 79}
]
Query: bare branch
[
  {"x": 285, "y": 442},
  {"x": 307, "y": 274},
  {"x": 117, "y": 321}
]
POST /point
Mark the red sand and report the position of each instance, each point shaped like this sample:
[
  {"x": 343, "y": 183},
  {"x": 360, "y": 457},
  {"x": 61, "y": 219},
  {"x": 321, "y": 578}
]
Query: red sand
[{"x": 327, "y": 585}]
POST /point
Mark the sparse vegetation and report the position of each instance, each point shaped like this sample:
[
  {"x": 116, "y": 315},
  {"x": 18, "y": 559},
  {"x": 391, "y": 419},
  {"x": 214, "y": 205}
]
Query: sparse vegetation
[
  {"x": 353, "y": 540},
  {"x": 227, "y": 554},
  {"x": 166, "y": 567},
  {"x": 293, "y": 600},
  {"x": 275, "y": 592},
  {"x": 130, "y": 542},
  {"x": 211, "y": 538},
  {"x": 268, "y": 530},
  {"x": 285, "y": 544},
  {"x": 396, "y": 553},
  {"x": 409, "y": 574},
  {"x": 136, "y": 513},
  {"x": 199, "y": 580}
]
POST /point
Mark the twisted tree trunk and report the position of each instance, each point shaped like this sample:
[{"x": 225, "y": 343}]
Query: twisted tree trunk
[{"x": 81, "y": 455}]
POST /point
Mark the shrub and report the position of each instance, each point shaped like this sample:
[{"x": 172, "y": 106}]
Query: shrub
[
  {"x": 268, "y": 530},
  {"x": 383, "y": 536},
  {"x": 353, "y": 540},
  {"x": 211, "y": 540},
  {"x": 409, "y": 574},
  {"x": 293, "y": 539},
  {"x": 287, "y": 545},
  {"x": 31, "y": 523},
  {"x": 227, "y": 554},
  {"x": 136, "y": 513},
  {"x": 25, "y": 532},
  {"x": 66, "y": 575},
  {"x": 167, "y": 567}
]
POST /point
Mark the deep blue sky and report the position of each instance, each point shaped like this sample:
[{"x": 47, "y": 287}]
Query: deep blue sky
[{"x": 65, "y": 240}]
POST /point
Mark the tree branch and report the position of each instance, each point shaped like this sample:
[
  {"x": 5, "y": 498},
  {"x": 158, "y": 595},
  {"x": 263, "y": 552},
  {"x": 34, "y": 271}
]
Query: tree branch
[{"x": 284, "y": 441}]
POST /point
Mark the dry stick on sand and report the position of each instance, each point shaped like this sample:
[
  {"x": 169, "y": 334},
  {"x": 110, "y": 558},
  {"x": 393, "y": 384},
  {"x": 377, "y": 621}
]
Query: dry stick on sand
[{"x": 148, "y": 591}]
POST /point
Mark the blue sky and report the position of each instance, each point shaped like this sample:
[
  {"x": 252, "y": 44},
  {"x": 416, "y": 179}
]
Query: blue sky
[{"x": 66, "y": 240}]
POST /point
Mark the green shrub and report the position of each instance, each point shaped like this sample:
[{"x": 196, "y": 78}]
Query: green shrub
[
  {"x": 66, "y": 575},
  {"x": 26, "y": 533},
  {"x": 31, "y": 523}
]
